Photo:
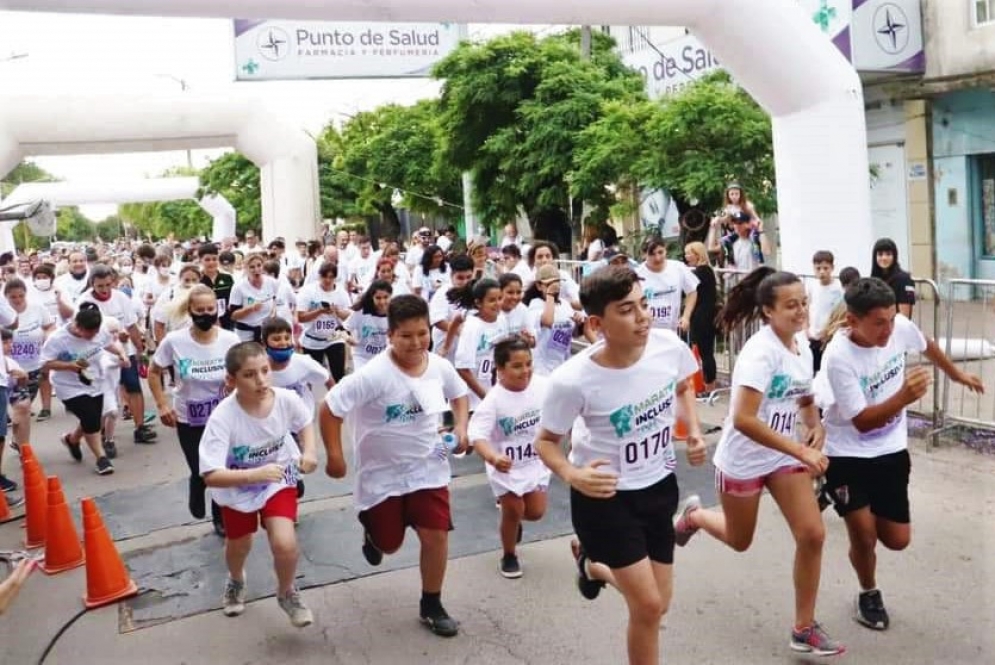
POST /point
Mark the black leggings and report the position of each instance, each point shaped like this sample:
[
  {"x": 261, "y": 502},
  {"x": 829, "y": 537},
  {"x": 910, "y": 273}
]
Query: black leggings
[
  {"x": 703, "y": 334},
  {"x": 334, "y": 354},
  {"x": 190, "y": 443}
]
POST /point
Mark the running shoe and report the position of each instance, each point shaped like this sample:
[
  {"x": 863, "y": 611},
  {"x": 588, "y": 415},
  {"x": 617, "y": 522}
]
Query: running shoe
[
  {"x": 104, "y": 466},
  {"x": 510, "y": 568},
  {"x": 439, "y": 621},
  {"x": 150, "y": 417},
  {"x": 870, "y": 610},
  {"x": 15, "y": 500},
  {"x": 43, "y": 415},
  {"x": 126, "y": 413},
  {"x": 219, "y": 527},
  {"x": 110, "y": 448},
  {"x": 683, "y": 530},
  {"x": 371, "y": 552},
  {"x": 816, "y": 641},
  {"x": 16, "y": 447},
  {"x": 6, "y": 484},
  {"x": 589, "y": 588},
  {"x": 293, "y": 605},
  {"x": 145, "y": 434},
  {"x": 234, "y": 597},
  {"x": 74, "y": 448}
]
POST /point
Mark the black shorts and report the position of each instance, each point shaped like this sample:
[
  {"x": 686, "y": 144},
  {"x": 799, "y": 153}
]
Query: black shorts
[
  {"x": 630, "y": 526},
  {"x": 129, "y": 377},
  {"x": 28, "y": 391},
  {"x": 89, "y": 409},
  {"x": 879, "y": 482}
]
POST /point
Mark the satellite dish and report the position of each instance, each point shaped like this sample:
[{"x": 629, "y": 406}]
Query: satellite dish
[{"x": 38, "y": 215}]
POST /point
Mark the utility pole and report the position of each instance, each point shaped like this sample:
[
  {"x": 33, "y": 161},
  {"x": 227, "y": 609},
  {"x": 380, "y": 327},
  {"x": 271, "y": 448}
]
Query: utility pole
[{"x": 585, "y": 42}]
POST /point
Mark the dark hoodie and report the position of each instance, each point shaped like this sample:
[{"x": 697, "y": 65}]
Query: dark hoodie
[{"x": 899, "y": 280}]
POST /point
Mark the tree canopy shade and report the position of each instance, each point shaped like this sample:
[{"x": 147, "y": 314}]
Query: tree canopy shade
[
  {"x": 235, "y": 178},
  {"x": 692, "y": 144},
  {"x": 512, "y": 113}
]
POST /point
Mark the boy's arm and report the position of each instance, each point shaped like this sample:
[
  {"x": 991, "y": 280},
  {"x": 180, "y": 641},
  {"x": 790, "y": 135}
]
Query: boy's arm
[
  {"x": 587, "y": 480},
  {"x": 268, "y": 473},
  {"x": 461, "y": 417},
  {"x": 331, "y": 436},
  {"x": 956, "y": 374},
  {"x": 309, "y": 457}
]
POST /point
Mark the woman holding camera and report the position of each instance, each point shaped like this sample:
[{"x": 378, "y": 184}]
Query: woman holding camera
[{"x": 322, "y": 308}]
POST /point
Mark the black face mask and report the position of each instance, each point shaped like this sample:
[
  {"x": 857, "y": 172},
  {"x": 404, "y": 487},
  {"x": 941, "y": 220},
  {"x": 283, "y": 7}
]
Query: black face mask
[
  {"x": 204, "y": 321},
  {"x": 79, "y": 276}
]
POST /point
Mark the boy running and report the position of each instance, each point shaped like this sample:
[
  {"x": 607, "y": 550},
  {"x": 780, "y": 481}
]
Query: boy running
[
  {"x": 629, "y": 389},
  {"x": 396, "y": 401},
  {"x": 249, "y": 459}
]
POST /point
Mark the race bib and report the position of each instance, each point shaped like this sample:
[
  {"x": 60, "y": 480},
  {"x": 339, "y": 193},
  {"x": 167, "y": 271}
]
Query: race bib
[
  {"x": 561, "y": 338},
  {"x": 639, "y": 457},
  {"x": 291, "y": 474},
  {"x": 485, "y": 370},
  {"x": 326, "y": 325},
  {"x": 199, "y": 412},
  {"x": 661, "y": 313},
  {"x": 521, "y": 454},
  {"x": 373, "y": 350},
  {"x": 24, "y": 350},
  {"x": 222, "y": 307},
  {"x": 783, "y": 422}
]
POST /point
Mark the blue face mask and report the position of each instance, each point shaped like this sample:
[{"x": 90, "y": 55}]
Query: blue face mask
[
  {"x": 280, "y": 355},
  {"x": 126, "y": 290}
]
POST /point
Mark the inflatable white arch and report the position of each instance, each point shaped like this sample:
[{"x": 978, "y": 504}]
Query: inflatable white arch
[
  {"x": 138, "y": 190},
  {"x": 771, "y": 47},
  {"x": 287, "y": 157}
]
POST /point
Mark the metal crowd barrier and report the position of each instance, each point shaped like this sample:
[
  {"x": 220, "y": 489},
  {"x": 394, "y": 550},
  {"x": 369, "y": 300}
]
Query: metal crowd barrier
[{"x": 969, "y": 320}]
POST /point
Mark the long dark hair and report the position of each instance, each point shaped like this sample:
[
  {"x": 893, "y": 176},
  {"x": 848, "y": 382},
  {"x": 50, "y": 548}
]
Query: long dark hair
[
  {"x": 745, "y": 302},
  {"x": 885, "y": 245},
  {"x": 365, "y": 303},
  {"x": 426, "y": 259}
]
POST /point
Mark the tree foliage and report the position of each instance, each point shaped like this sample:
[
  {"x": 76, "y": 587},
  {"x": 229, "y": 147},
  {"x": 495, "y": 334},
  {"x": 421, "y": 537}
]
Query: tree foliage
[
  {"x": 74, "y": 226},
  {"x": 235, "y": 178},
  {"x": 692, "y": 144},
  {"x": 513, "y": 111}
]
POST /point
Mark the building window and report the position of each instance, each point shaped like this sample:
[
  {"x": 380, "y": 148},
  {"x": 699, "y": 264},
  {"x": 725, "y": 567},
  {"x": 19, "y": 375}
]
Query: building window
[
  {"x": 984, "y": 200},
  {"x": 984, "y": 11}
]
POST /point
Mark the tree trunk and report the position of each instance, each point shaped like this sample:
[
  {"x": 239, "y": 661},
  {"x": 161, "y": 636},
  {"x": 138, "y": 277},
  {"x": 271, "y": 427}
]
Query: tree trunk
[
  {"x": 553, "y": 225},
  {"x": 390, "y": 223}
]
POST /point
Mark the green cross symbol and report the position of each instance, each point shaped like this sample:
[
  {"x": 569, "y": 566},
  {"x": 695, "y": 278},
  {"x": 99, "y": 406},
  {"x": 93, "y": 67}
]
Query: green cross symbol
[
  {"x": 824, "y": 16},
  {"x": 250, "y": 67}
]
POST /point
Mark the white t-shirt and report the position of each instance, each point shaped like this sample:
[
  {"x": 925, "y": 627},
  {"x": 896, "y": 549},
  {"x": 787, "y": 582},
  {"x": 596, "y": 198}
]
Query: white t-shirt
[
  {"x": 519, "y": 320},
  {"x": 244, "y": 294},
  {"x": 363, "y": 270},
  {"x": 822, "y": 300},
  {"x": 70, "y": 288},
  {"x": 413, "y": 256},
  {"x": 553, "y": 344},
  {"x": 118, "y": 306},
  {"x": 396, "y": 420},
  {"x": 629, "y": 412},
  {"x": 154, "y": 287},
  {"x": 435, "y": 280},
  {"x": 46, "y": 299},
  {"x": 440, "y": 309},
  {"x": 322, "y": 332},
  {"x": 160, "y": 310},
  {"x": 301, "y": 375},
  {"x": 742, "y": 252},
  {"x": 860, "y": 377},
  {"x": 29, "y": 336},
  {"x": 475, "y": 350},
  {"x": 444, "y": 242},
  {"x": 65, "y": 346},
  {"x": 370, "y": 333},
  {"x": 7, "y": 318},
  {"x": 286, "y": 301},
  {"x": 783, "y": 377},
  {"x": 233, "y": 439},
  {"x": 663, "y": 291},
  {"x": 509, "y": 421},
  {"x": 199, "y": 372}
]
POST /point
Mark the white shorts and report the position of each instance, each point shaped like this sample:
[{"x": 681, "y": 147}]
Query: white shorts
[{"x": 521, "y": 480}]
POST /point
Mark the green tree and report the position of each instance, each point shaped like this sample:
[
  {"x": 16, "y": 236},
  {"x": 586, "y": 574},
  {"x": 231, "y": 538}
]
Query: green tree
[
  {"x": 513, "y": 110},
  {"x": 74, "y": 226},
  {"x": 182, "y": 219},
  {"x": 110, "y": 228},
  {"x": 236, "y": 178}
]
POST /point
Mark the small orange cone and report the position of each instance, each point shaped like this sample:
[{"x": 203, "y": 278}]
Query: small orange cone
[
  {"x": 699, "y": 376},
  {"x": 35, "y": 506},
  {"x": 680, "y": 430},
  {"x": 5, "y": 514},
  {"x": 26, "y": 452},
  {"x": 63, "y": 550},
  {"x": 107, "y": 580}
]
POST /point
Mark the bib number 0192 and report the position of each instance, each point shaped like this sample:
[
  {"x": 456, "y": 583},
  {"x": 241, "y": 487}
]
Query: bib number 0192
[{"x": 650, "y": 447}]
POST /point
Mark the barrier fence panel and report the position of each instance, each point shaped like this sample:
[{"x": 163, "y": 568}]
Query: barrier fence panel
[{"x": 970, "y": 320}]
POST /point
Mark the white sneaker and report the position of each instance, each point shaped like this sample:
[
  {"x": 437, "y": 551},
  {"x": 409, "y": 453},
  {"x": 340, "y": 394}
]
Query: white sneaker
[
  {"x": 234, "y": 597},
  {"x": 293, "y": 605}
]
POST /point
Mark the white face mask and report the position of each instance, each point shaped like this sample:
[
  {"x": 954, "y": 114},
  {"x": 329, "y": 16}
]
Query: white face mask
[
  {"x": 43, "y": 284},
  {"x": 126, "y": 270},
  {"x": 163, "y": 271}
]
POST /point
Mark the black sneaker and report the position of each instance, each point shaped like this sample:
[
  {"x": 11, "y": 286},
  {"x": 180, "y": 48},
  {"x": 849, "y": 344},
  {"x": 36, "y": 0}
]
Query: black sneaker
[
  {"x": 197, "y": 504},
  {"x": 145, "y": 434},
  {"x": 300, "y": 489},
  {"x": 6, "y": 484},
  {"x": 43, "y": 415},
  {"x": 371, "y": 552},
  {"x": 588, "y": 588},
  {"x": 74, "y": 448},
  {"x": 104, "y": 466},
  {"x": 439, "y": 621},
  {"x": 110, "y": 448},
  {"x": 870, "y": 610},
  {"x": 219, "y": 528},
  {"x": 510, "y": 568}
]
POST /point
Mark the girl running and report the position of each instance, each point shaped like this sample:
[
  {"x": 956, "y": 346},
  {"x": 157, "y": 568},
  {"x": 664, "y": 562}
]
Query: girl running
[
  {"x": 517, "y": 315},
  {"x": 502, "y": 431},
  {"x": 321, "y": 309},
  {"x": 34, "y": 324},
  {"x": 480, "y": 331},
  {"x": 368, "y": 324},
  {"x": 772, "y": 439},
  {"x": 197, "y": 355},
  {"x": 432, "y": 274},
  {"x": 253, "y": 300}
]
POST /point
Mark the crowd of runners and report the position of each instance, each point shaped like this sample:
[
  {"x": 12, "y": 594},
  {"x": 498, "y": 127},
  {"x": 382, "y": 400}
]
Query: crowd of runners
[{"x": 459, "y": 348}]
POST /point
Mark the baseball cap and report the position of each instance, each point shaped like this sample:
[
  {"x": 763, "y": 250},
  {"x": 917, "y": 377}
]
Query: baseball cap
[
  {"x": 740, "y": 216},
  {"x": 547, "y": 273},
  {"x": 615, "y": 254}
]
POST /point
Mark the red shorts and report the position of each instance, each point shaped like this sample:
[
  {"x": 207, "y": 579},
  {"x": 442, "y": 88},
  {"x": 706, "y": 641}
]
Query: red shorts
[
  {"x": 386, "y": 521},
  {"x": 747, "y": 487},
  {"x": 239, "y": 524}
]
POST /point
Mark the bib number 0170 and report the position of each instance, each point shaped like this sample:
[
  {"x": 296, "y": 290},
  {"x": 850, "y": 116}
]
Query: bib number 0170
[{"x": 648, "y": 448}]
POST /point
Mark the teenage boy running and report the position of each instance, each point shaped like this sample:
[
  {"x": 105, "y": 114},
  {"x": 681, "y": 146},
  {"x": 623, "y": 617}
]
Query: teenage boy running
[
  {"x": 249, "y": 459},
  {"x": 396, "y": 401},
  {"x": 866, "y": 432},
  {"x": 629, "y": 389}
]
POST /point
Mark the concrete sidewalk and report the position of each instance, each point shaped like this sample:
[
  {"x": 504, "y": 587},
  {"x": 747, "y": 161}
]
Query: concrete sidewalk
[{"x": 728, "y": 608}]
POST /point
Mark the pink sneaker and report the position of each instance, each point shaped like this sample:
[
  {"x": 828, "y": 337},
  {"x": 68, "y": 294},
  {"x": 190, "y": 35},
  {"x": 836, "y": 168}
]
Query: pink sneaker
[{"x": 683, "y": 530}]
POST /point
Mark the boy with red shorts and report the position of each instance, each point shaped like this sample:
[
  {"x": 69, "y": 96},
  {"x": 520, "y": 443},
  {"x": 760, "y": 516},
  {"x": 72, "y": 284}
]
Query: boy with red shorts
[
  {"x": 249, "y": 459},
  {"x": 396, "y": 401}
]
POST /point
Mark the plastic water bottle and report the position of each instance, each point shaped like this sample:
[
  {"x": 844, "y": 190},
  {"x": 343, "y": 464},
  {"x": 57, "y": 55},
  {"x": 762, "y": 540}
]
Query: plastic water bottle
[{"x": 447, "y": 444}]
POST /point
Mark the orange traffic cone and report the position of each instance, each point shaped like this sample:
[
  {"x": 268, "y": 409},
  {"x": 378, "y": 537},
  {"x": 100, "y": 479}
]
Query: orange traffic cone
[
  {"x": 680, "y": 430},
  {"x": 35, "y": 505},
  {"x": 699, "y": 376},
  {"x": 107, "y": 579},
  {"x": 5, "y": 513},
  {"x": 26, "y": 452},
  {"x": 63, "y": 550}
]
